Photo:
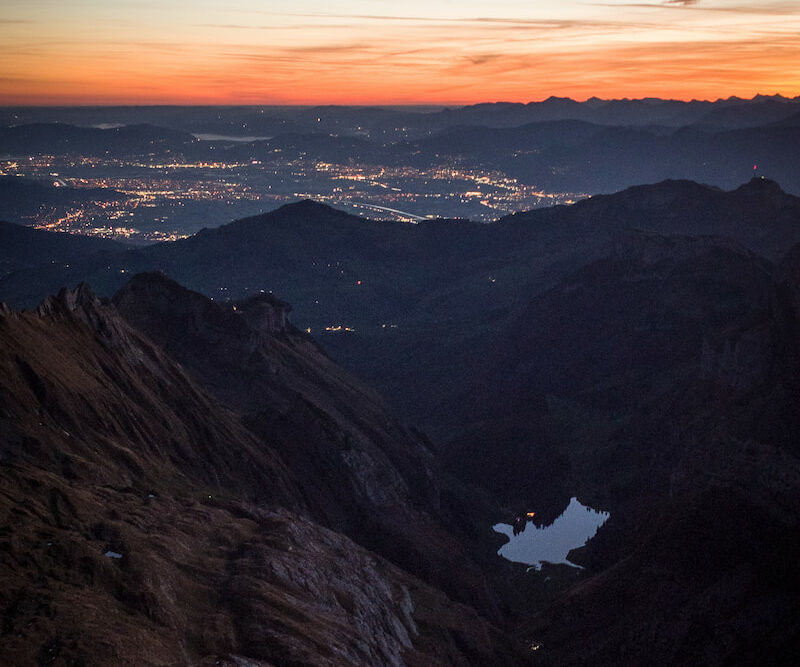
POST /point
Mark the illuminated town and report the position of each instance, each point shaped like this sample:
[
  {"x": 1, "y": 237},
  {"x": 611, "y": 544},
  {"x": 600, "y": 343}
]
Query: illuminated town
[{"x": 150, "y": 199}]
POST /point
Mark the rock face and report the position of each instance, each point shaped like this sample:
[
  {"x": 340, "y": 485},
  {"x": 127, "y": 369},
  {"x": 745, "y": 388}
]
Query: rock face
[
  {"x": 361, "y": 471},
  {"x": 264, "y": 313},
  {"x": 143, "y": 524}
]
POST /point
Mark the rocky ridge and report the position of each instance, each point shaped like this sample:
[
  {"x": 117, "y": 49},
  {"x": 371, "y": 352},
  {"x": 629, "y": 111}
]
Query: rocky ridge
[{"x": 143, "y": 524}]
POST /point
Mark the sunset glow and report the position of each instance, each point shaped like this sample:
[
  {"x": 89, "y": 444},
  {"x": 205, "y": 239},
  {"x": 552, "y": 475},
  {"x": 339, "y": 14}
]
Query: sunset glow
[{"x": 376, "y": 52}]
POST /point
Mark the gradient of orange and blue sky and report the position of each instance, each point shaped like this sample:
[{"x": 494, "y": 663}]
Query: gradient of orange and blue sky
[{"x": 392, "y": 52}]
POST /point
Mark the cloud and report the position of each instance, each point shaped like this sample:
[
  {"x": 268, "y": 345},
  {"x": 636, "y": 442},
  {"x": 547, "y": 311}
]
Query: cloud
[
  {"x": 484, "y": 58},
  {"x": 761, "y": 9}
]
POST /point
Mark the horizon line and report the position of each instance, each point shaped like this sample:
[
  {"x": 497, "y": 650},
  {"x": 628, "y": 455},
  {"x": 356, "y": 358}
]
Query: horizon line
[{"x": 89, "y": 105}]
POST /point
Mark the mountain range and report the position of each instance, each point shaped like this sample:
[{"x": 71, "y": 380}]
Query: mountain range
[
  {"x": 558, "y": 145},
  {"x": 415, "y": 121},
  {"x": 637, "y": 350}
]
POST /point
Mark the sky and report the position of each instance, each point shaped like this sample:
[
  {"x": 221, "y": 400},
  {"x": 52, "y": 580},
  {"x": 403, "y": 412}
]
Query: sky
[{"x": 393, "y": 51}]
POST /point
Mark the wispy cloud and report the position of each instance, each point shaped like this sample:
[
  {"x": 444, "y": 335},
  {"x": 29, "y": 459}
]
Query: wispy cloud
[
  {"x": 505, "y": 50},
  {"x": 763, "y": 9}
]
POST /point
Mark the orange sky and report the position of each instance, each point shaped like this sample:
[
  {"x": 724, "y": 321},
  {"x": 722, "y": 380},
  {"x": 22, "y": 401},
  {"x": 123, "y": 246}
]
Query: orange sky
[{"x": 372, "y": 52}]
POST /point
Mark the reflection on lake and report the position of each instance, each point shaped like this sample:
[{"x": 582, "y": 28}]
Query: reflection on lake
[{"x": 552, "y": 543}]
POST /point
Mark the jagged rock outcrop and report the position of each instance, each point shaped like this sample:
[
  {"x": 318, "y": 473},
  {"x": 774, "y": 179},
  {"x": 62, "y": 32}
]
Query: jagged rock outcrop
[
  {"x": 104, "y": 383},
  {"x": 264, "y": 313}
]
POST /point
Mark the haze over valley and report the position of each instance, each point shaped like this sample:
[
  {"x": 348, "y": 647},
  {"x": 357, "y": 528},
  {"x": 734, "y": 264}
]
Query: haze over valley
[{"x": 142, "y": 174}]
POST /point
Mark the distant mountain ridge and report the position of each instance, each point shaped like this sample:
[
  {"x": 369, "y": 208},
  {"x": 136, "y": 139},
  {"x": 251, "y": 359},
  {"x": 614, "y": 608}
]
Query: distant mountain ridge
[
  {"x": 558, "y": 145},
  {"x": 272, "y": 120},
  {"x": 62, "y": 138}
]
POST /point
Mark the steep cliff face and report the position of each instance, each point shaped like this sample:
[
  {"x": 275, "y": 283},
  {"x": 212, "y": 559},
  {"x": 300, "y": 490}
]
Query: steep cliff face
[
  {"x": 360, "y": 471},
  {"x": 264, "y": 313},
  {"x": 141, "y": 523}
]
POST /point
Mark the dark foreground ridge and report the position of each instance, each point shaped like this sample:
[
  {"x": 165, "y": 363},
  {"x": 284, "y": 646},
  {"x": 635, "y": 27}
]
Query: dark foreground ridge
[{"x": 144, "y": 523}]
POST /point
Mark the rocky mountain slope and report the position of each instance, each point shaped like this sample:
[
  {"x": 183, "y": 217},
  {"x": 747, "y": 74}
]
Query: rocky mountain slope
[
  {"x": 361, "y": 471},
  {"x": 144, "y": 524}
]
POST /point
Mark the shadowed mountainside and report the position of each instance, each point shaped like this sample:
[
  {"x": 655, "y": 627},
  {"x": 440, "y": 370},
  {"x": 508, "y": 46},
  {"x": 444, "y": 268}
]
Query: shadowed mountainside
[
  {"x": 639, "y": 350},
  {"x": 706, "y": 574},
  {"x": 23, "y": 247},
  {"x": 362, "y": 473},
  {"x": 144, "y": 523},
  {"x": 449, "y": 287}
]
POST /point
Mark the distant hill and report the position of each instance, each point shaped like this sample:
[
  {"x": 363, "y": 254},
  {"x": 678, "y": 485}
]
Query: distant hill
[
  {"x": 24, "y": 247},
  {"x": 24, "y": 198},
  {"x": 572, "y": 156},
  {"x": 62, "y": 138},
  {"x": 393, "y": 123},
  {"x": 763, "y": 112}
]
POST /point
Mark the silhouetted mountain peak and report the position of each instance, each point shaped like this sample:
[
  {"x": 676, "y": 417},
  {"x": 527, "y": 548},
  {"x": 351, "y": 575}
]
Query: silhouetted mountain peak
[
  {"x": 305, "y": 210},
  {"x": 308, "y": 206},
  {"x": 651, "y": 196},
  {"x": 80, "y": 301},
  {"x": 759, "y": 97},
  {"x": 148, "y": 298},
  {"x": 760, "y": 186},
  {"x": 154, "y": 292}
]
